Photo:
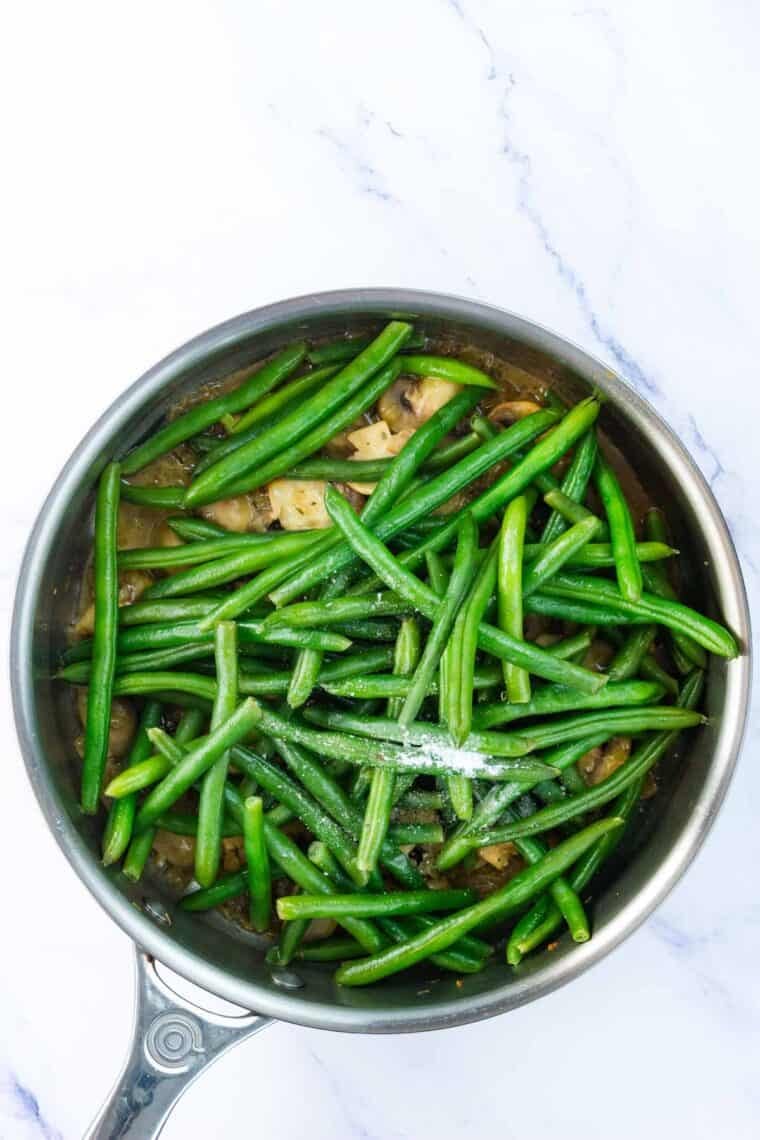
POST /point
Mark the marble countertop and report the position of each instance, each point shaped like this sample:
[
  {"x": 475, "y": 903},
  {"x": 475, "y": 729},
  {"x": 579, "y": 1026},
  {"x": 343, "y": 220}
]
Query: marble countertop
[{"x": 586, "y": 165}]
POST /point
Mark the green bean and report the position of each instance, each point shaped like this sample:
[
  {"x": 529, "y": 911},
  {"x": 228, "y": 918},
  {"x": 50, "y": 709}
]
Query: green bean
[
  {"x": 282, "y": 850},
  {"x": 290, "y": 907},
  {"x": 278, "y": 401},
  {"x": 657, "y": 582},
  {"x": 367, "y": 630},
  {"x": 446, "y": 368},
  {"x": 380, "y": 686},
  {"x": 257, "y": 859},
  {"x": 555, "y": 814},
  {"x": 277, "y": 552},
  {"x": 574, "y": 483},
  {"x": 438, "y": 758},
  {"x": 225, "y": 888},
  {"x": 106, "y": 583},
  {"x": 386, "y": 494},
  {"x": 541, "y": 923},
  {"x": 250, "y": 633},
  {"x": 205, "y": 414},
  {"x": 443, "y": 621},
  {"x": 118, "y": 829},
  {"x": 301, "y": 615},
  {"x": 137, "y": 776},
  {"x": 332, "y": 797},
  {"x": 483, "y": 427},
  {"x": 418, "y": 834},
  {"x": 383, "y": 780},
  {"x": 557, "y": 553},
  {"x": 197, "y": 530},
  {"x": 286, "y": 791},
  {"x": 627, "y": 661},
  {"x": 467, "y": 956},
  {"x": 432, "y": 740},
  {"x": 196, "y": 553},
  {"x": 573, "y": 512},
  {"x": 598, "y": 555},
  {"x": 706, "y": 632},
  {"x": 570, "y": 647},
  {"x": 252, "y": 456},
  {"x": 176, "y": 609},
  {"x": 556, "y": 699},
  {"x": 197, "y": 761},
  {"x": 371, "y": 470},
  {"x": 509, "y": 591},
  {"x": 490, "y": 808},
  {"x": 339, "y": 350},
  {"x": 339, "y": 948},
  {"x": 211, "y": 802},
  {"x": 518, "y": 891},
  {"x": 622, "y": 532},
  {"x": 494, "y": 641},
  {"x": 648, "y": 667},
  {"x": 186, "y": 823},
  {"x": 561, "y": 892},
  {"x": 581, "y": 612},
  {"x": 420, "y": 798},
  {"x": 141, "y": 845},
  {"x": 78, "y": 673},
  {"x": 543, "y": 916},
  {"x": 431, "y": 495},
  {"x": 341, "y": 417},
  {"x": 162, "y": 498},
  {"x": 461, "y": 668}
]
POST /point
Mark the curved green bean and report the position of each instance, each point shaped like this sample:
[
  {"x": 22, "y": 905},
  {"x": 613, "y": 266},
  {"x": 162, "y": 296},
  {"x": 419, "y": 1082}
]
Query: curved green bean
[
  {"x": 205, "y": 414},
  {"x": 104, "y": 644},
  {"x": 211, "y": 801},
  {"x": 291, "y": 907},
  {"x": 518, "y": 891}
]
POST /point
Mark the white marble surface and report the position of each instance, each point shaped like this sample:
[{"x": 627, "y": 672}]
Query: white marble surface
[{"x": 591, "y": 166}]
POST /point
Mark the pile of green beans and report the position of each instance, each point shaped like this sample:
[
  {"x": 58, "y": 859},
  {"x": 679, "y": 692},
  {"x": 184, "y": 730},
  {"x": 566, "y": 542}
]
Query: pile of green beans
[{"x": 482, "y": 664}]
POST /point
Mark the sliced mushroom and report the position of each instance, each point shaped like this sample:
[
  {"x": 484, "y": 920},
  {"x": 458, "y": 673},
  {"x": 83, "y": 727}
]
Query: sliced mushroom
[
  {"x": 132, "y": 584},
  {"x": 177, "y": 850},
  {"x": 299, "y": 504},
  {"x": 498, "y": 855},
  {"x": 510, "y": 411},
  {"x": 376, "y": 441},
  {"x": 233, "y": 854},
  {"x": 602, "y": 761},
  {"x": 241, "y": 513},
  {"x": 409, "y": 403}
]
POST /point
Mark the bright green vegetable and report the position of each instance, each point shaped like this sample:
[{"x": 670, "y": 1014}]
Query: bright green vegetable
[
  {"x": 257, "y": 859},
  {"x": 210, "y": 411},
  {"x": 104, "y": 643},
  {"x": 211, "y": 802}
]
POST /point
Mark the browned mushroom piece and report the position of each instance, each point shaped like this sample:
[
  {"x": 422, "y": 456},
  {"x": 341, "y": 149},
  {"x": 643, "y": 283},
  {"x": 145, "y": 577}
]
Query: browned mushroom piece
[
  {"x": 176, "y": 850},
  {"x": 598, "y": 655},
  {"x": 408, "y": 402},
  {"x": 123, "y": 723},
  {"x": 233, "y": 853},
  {"x": 605, "y": 759},
  {"x": 241, "y": 513},
  {"x": 299, "y": 504},
  {"x": 510, "y": 411},
  {"x": 498, "y": 855},
  {"x": 376, "y": 441}
]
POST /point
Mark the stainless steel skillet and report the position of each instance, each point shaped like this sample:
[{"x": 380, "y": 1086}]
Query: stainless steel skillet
[{"x": 174, "y": 1039}]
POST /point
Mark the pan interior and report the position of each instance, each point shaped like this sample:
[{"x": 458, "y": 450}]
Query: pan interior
[{"x": 222, "y": 956}]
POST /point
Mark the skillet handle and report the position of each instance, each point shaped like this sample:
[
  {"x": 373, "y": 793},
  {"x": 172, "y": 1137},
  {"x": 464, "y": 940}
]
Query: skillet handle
[{"x": 173, "y": 1041}]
